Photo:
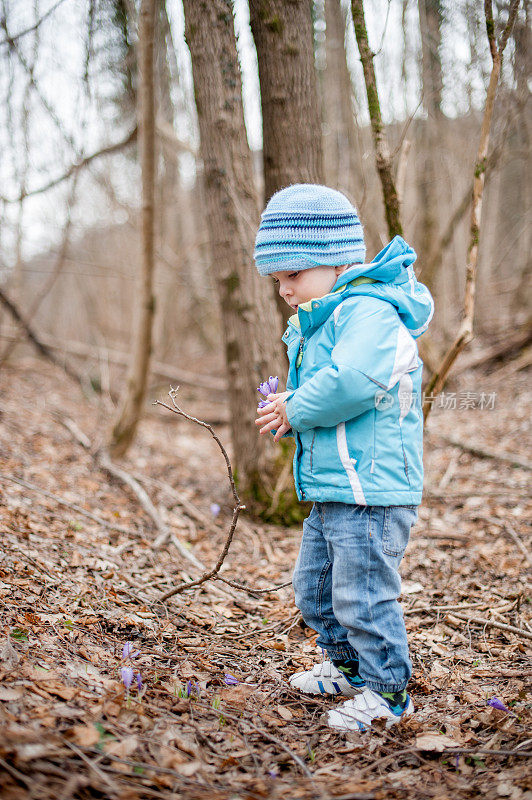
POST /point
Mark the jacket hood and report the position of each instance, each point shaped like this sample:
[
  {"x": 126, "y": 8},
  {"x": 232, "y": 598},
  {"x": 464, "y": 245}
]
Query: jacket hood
[{"x": 393, "y": 279}]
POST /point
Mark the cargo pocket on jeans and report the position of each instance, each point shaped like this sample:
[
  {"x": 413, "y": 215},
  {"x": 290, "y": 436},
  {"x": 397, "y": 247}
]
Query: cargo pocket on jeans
[{"x": 398, "y": 521}]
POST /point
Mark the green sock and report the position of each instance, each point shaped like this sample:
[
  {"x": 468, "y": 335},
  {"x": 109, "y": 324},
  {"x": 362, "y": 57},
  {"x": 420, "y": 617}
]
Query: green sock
[
  {"x": 349, "y": 667},
  {"x": 396, "y": 700}
]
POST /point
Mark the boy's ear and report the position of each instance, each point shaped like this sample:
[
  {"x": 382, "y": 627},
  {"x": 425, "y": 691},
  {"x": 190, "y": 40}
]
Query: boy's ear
[{"x": 342, "y": 268}]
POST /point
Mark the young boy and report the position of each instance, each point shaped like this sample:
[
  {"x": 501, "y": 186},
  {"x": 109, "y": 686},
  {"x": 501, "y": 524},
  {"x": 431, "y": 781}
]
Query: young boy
[{"x": 353, "y": 406}]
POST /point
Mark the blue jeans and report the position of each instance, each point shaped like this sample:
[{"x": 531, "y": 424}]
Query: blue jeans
[{"x": 346, "y": 585}]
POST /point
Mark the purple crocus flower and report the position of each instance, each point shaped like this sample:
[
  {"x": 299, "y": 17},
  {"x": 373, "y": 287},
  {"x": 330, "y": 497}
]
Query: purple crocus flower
[
  {"x": 138, "y": 678},
  {"x": 127, "y": 651},
  {"x": 127, "y": 676},
  {"x": 263, "y": 403},
  {"x": 496, "y": 703},
  {"x": 269, "y": 386},
  {"x": 215, "y": 509},
  {"x": 230, "y": 680},
  {"x": 264, "y": 389}
]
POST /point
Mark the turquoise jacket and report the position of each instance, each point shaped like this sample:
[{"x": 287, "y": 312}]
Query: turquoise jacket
[{"x": 355, "y": 379}]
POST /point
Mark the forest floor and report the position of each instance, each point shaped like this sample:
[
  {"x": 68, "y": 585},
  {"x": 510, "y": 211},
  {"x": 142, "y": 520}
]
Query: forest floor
[{"x": 216, "y": 717}]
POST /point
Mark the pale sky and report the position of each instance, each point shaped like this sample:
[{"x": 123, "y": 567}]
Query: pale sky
[{"x": 63, "y": 110}]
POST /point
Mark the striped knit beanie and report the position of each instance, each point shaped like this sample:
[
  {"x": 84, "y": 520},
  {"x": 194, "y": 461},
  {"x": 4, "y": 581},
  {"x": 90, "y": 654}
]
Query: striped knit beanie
[{"x": 307, "y": 225}]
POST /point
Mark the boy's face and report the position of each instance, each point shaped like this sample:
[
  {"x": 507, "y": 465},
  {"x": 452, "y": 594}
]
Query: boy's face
[{"x": 299, "y": 287}]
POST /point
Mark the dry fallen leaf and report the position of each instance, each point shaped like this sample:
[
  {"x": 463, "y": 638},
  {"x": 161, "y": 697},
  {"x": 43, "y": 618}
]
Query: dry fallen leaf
[
  {"x": 284, "y": 712},
  {"x": 122, "y": 749},
  {"x": 59, "y": 689},
  {"x": 8, "y": 693},
  {"x": 9, "y": 655},
  {"x": 435, "y": 742},
  {"x": 85, "y": 735}
]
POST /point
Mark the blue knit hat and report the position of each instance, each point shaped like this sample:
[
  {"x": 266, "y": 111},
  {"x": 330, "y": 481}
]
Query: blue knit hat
[{"x": 307, "y": 225}]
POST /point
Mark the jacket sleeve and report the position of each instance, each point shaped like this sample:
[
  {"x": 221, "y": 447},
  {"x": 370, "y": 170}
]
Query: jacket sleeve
[{"x": 372, "y": 350}]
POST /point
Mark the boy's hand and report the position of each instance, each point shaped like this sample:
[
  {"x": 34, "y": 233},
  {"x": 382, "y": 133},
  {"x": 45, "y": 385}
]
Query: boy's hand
[{"x": 274, "y": 415}]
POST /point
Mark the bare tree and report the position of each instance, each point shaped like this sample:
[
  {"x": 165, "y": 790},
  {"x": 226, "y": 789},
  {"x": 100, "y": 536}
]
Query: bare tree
[
  {"x": 340, "y": 139},
  {"x": 292, "y": 142},
  {"x": 124, "y": 428},
  {"x": 382, "y": 155},
  {"x": 249, "y": 319},
  {"x": 430, "y": 21},
  {"x": 292, "y": 149},
  {"x": 465, "y": 334}
]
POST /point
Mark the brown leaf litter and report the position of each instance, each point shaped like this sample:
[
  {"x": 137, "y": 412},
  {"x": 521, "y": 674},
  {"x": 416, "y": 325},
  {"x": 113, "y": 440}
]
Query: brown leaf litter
[{"x": 216, "y": 717}]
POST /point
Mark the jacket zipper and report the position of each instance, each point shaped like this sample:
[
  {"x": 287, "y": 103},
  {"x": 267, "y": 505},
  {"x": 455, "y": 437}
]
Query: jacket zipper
[{"x": 299, "y": 359}]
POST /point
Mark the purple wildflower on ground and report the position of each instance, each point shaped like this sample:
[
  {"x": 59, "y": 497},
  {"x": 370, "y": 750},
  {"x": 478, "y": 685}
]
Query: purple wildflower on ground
[
  {"x": 127, "y": 651},
  {"x": 138, "y": 678},
  {"x": 494, "y": 702},
  {"x": 230, "y": 680},
  {"x": 127, "y": 676},
  {"x": 215, "y": 509}
]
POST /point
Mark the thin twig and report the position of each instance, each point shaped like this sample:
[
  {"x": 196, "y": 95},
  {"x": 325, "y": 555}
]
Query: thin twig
[
  {"x": 473, "y": 750},
  {"x": 236, "y": 511},
  {"x": 103, "y": 459},
  {"x": 157, "y": 368},
  {"x": 41, "y": 348},
  {"x": 491, "y": 623},
  {"x": 13, "y": 38},
  {"x": 513, "y": 534},
  {"x": 16, "y": 774},
  {"x": 251, "y": 589},
  {"x": 92, "y": 766},
  {"x": 76, "y": 166}
]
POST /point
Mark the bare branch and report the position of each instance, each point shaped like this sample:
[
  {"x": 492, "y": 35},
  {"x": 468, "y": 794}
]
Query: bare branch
[
  {"x": 157, "y": 368},
  {"x": 236, "y": 511},
  {"x": 44, "y": 102},
  {"x": 43, "y": 349},
  {"x": 508, "y": 27},
  {"x": 59, "y": 264},
  {"x": 9, "y": 40},
  {"x": 465, "y": 333},
  {"x": 491, "y": 623},
  {"x": 76, "y": 166},
  {"x": 102, "y": 458},
  {"x": 490, "y": 28},
  {"x": 382, "y": 157}
]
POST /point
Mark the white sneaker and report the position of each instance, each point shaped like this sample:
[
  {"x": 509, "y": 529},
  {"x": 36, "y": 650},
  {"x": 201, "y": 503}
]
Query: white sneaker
[
  {"x": 357, "y": 714},
  {"x": 324, "y": 678}
]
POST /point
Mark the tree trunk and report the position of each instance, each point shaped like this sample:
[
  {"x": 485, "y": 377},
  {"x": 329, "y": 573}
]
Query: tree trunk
[
  {"x": 124, "y": 429},
  {"x": 292, "y": 150},
  {"x": 429, "y": 179},
  {"x": 465, "y": 333},
  {"x": 382, "y": 156},
  {"x": 292, "y": 145},
  {"x": 521, "y": 301},
  {"x": 340, "y": 137},
  {"x": 249, "y": 318}
]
